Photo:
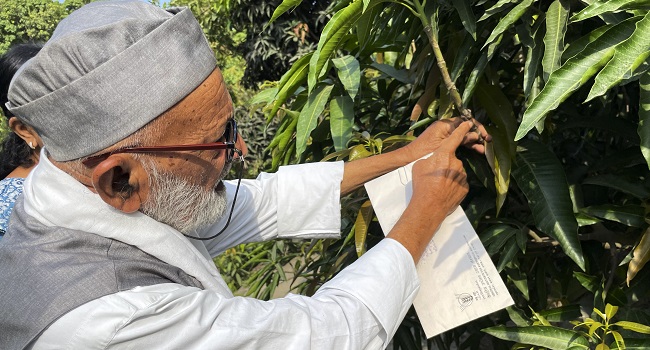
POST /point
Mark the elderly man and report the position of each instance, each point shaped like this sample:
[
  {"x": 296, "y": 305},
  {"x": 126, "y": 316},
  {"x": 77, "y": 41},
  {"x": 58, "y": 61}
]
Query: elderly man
[{"x": 110, "y": 246}]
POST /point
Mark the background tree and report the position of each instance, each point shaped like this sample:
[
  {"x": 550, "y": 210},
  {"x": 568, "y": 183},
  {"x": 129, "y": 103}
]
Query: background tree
[
  {"x": 563, "y": 88},
  {"x": 30, "y": 21}
]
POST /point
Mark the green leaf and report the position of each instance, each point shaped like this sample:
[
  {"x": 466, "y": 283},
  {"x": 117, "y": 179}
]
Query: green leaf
[
  {"x": 574, "y": 73},
  {"x": 474, "y": 77},
  {"x": 629, "y": 55},
  {"x": 464, "y": 9},
  {"x": 633, "y": 188},
  {"x": 285, "y": 6},
  {"x": 331, "y": 37},
  {"x": 562, "y": 314},
  {"x": 341, "y": 121},
  {"x": 634, "y": 344},
  {"x": 309, "y": 116},
  {"x": 644, "y": 116},
  {"x": 557, "y": 18},
  {"x": 610, "y": 311},
  {"x": 265, "y": 96},
  {"x": 519, "y": 279},
  {"x": 533, "y": 58},
  {"x": 641, "y": 256},
  {"x": 401, "y": 75},
  {"x": 545, "y": 336},
  {"x": 600, "y": 7},
  {"x": 541, "y": 178},
  {"x": 495, "y": 237},
  {"x": 518, "y": 316},
  {"x": 507, "y": 21},
  {"x": 576, "y": 46},
  {"x": 500, "y": 159},
  {"x": 361, "y": 227},
  {"x": 499, "y": 7},
  {"x": 633, "y": 326},
  {"x": 507, "y": 255},
  {"x": 630, "y": 215},
  {"x": 359, "y": 152},
  {"x": 290, "y": 82},
  {"x": 591, "y": 283},
  {"x": 349, "y": 73},
  {"x": 364, "y": 26}
]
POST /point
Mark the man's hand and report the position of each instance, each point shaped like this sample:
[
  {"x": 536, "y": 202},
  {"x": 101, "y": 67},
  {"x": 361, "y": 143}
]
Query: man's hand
[
  {"x": 360, "y": 171},
  {"x": 439, "y": 185},
  {"x": 431, "y": 139}
]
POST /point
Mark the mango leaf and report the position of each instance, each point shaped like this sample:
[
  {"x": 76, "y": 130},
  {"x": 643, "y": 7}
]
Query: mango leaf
[
  {"x": 507, "y": 21},
  {"x": 541, "y": 178},
  {"x": 629, "y": 55},
  {"x": 644, "y": 115},
  {"x": 400, "y": 75},
  {"x": 507, "y": 255},
  {"x": 265, "y": 96},
  {"x": 557, "y": 18},
  {"x": 520, "y": 280},
  {"x": 474, "y": 77},
  {"x": 359, "y": 152},
  {"x": 562, "y": 314},
  {"x": 285, "y": 6},
  {"x": 518, "y": 316},
  {"x": 341, "y": 121},
  {"x": 576, "y": 46},
  {"x": 545, "y": 336},
  {"x": 574, "y": 73},
  {"x": 361, "y": 227},
  {"x": 495, "y": 237},
  {"x": 600, "y": 7},
  {"x": 499, "y": 7},
  {"x": 633, "y": 188},
  {"x": 630, "y": 215},
  {"x": 290, "y": 82},
  {"x": 634, "y": 344},
  {"x": 533, "y": 57},
  {"x": 349, "y": 73},
  {"x": 640, "y": 258},
  {"x": 464, "y": 9},
  {"x": 331, "y": 37},
  {"x": 309, "y": 116},
  {"x": 633, "y": 326},
  {"x": 500, "y": 160},
  {"x": 590, "y": 283}
]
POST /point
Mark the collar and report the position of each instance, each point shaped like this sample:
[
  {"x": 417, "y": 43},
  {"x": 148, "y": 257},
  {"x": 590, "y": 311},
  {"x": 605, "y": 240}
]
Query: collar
[{"x": 55, "y": 198}]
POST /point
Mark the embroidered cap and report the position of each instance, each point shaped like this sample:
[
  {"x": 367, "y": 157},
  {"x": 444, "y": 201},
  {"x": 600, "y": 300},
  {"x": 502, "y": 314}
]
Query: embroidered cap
[{"x": 110, "y": 68}]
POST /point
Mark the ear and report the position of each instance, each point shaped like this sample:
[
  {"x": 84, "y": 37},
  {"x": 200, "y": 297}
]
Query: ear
[
  {"x": 25, "y": 132},
  {"x": 122, "y": 182}
]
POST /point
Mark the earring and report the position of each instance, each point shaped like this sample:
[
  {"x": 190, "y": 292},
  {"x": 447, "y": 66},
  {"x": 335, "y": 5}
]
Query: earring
[{"x": 31, "y": 145}]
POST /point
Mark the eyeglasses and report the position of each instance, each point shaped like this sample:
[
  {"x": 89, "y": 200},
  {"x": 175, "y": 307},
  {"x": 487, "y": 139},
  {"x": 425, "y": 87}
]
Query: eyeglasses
[{"x": 230, "y": 136}]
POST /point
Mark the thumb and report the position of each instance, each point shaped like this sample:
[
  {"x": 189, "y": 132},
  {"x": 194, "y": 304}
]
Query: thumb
[{"x": 456, "y": 138}]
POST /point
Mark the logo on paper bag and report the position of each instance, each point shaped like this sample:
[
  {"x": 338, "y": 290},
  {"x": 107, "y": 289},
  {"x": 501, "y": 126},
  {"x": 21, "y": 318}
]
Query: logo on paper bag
[{"x": 464, "y": 300}]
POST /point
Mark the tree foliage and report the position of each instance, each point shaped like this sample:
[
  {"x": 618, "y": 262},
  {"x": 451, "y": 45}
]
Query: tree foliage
[
  {"x": 560, "y": 200},
  {"x": 31, "y": 20}
]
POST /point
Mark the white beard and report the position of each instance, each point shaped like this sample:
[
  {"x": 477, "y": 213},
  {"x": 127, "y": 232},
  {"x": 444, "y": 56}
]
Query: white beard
[{"x": 184, "y": 206}]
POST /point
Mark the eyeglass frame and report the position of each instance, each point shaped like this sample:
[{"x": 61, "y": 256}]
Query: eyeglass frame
[{"x": 229, "y": 145}]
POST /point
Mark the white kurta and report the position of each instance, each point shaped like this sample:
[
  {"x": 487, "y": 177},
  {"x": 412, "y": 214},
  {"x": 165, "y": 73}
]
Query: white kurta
[{"x": 358, "y": 309}]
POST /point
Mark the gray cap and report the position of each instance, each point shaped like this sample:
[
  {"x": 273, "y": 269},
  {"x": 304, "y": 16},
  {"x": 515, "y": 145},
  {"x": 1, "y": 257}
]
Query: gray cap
[{"x": 110, "y": 68}]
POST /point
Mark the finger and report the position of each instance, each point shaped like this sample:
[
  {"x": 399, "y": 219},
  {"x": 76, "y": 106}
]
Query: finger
[
  {"x": 456, "y": 138},
  {"x": 482, "y": 131}
]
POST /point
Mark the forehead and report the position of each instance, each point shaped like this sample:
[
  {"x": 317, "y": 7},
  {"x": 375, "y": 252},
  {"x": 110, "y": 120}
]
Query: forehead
[{"x": 202, "y": 114}]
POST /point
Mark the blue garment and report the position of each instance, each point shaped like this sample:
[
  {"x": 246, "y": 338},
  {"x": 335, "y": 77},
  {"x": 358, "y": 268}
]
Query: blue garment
[{"x": 10, "y": 189}]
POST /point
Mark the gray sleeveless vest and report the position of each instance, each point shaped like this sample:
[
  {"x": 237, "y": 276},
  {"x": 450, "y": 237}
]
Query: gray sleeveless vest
[{"x": 45, "y": 272}]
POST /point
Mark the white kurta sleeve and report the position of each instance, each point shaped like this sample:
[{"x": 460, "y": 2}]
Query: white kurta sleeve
[
  {"x": 299, "y": 201},
  {"x": 360, "y": 308}
]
